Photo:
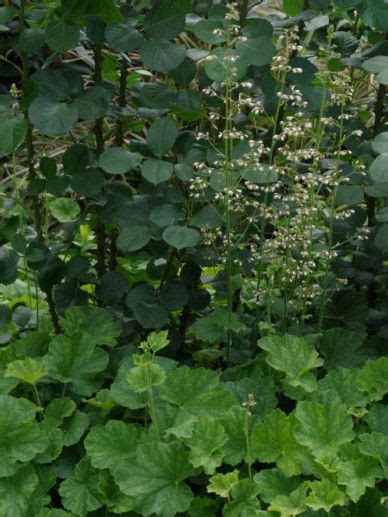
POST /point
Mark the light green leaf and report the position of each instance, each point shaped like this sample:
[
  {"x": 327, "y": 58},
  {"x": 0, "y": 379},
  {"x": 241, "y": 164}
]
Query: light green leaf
[
  {"x": 323, "y": 428},
  {"x": 79, "y": 491},
  {"x": 180, "y": 424},
  {"x": 57, "y": 410},
  {"x": 262, "y": 387},
  {"x": 156, "y": 341},
  {"x": 75, "y": 360},
  {"x": 181, "y": 237},
  {"x": 16, "y": 492},
  {"x": 155, "y": 479},
  {"x": 244, "y": 500},
  {"x": 74, "y": 427},
  {"x": 294, "y": 357},
  {"x": 273, "y": 482},
  {"x": 343, "y": 382},
  {"x": 357, "y": 475},
  {"x": 293, "y": 7},
  {"x": 110, "y": 494},
  {"x": 292, "y": 504},
  {"x": 206, "y": 444},
  {"x": 12, "y": 133},
  {"x": 325, "y": 495},
  {"x": 377, "y": 418},
  {"x": 95, "y": 322},
  {"x": 373, "y": 378},
  {"x": 235, "y": 449},
  {"x": 212, "y": 327},
  {"x": 21, "y": 438},
  {"x": 376, "y": 446},
  {"x": 162, "y": 55},
  {"x": 64, "y": 209},
  {"x": 138, "y": 377},
  {"x": 120, "y": 390},
  {"x": 117, "y": 160},
  {"x": 222, "y": 484},
  {"x": 273, "y": 441},
  {"x": 112, "y": 444},
  {"x": 197, "y": 391},
  {"x": 27, "y": 370},
  {"x": 161, "y": 136}
]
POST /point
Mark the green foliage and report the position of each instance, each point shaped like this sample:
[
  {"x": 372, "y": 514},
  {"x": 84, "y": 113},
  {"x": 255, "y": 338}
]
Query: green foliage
[{"x": 193, "y": 258}]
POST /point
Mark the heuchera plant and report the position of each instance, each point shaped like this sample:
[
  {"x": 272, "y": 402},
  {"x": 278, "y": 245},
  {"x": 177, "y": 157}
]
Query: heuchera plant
[{"x": 193, "y": 258}]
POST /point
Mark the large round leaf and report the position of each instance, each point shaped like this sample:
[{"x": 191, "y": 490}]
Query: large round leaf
[
  {"x": 87, "y": 183},
  {"x": 133, "y": 238},
  {"x": 156, "y": 171},
  {"x": 218, "y": 67},
  {"x": 167, "y": 18},
  {"x": 12, "y": 133},
  {"x": 258, "y": 51},
  {"x": 62, "y": 36},
  {"x": 93, "y": 103},
  {"x": 122, "y": 37},
  {"x": 117, "y": 160},
  {"x": 162, "y": 55},
  {"x": 8, "y": 265},
  {"x": 64, "y": 209},
  {"x": 181, "y": 237},
  {"x": 53, "y": 118},
  {"x": 380, "y": 143},
  {"x": 161, "y": 136},
  {"x": 378, "y": 171}
]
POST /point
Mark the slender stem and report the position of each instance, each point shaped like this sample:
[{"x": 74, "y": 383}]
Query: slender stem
[
  {"x": 259, "y": 270},
  {"x": 36, "y": 395},
  {"x": 64, "y": 390},
  {"x": 99, "y": 136},
  {"x": 151, "y": 403},
  {"x": 227, "y": 178},
  {"x": 243, "y": 12},
  {"x": 327, "y": 265},
  {"x": 52, "y": 310},
  {"x": 98, "y": 126},
  {"x": 29, "y": 138},
  {"x": 122, "y": 101},
  {"x": 248, "y": 444},
  {"x": 36, "y": 300},
  {"x": 332, "y": 211}
]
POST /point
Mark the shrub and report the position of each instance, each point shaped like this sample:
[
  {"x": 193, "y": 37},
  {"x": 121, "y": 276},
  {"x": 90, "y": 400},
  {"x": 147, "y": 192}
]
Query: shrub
[{"x": 193, "y": 258}]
